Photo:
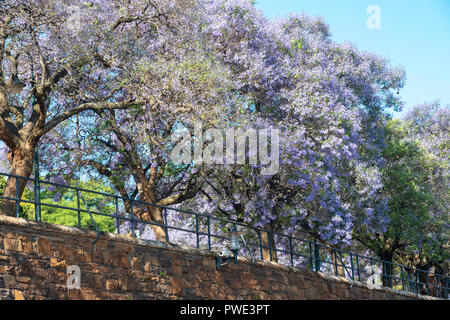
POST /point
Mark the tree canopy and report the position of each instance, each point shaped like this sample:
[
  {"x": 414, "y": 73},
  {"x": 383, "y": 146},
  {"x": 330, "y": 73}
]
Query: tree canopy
[{"x": 103, "y": 89}]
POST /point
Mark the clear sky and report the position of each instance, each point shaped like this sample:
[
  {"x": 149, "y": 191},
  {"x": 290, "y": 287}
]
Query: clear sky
[{"x": 414, "y": 34}]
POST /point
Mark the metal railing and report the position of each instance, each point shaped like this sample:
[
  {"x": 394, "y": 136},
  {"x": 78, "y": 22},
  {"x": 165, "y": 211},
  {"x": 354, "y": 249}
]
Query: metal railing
[{"x": 204, "y": 231}]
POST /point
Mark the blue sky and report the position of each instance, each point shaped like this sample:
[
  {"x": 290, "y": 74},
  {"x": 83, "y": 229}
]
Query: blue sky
[{"x": 414, "y": 34}]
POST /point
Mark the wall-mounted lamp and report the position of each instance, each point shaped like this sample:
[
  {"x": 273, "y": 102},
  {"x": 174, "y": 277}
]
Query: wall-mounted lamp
[
  {"x": 228, "y": 255},
  {"x": 16, "y": 86}
]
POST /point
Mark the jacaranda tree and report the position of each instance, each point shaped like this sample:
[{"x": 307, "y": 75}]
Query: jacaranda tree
[
  {"x": 68, "y": 59},
  {"x": 328, "y": 101},
  {"x": 109, "y": 87}
]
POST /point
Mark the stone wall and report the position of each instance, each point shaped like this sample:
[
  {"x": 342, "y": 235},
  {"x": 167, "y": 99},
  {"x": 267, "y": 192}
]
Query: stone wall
[{"x": 34, "y": 258}]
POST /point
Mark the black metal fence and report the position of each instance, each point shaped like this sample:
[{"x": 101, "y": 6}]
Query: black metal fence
[{"x": 204, "y": 231}]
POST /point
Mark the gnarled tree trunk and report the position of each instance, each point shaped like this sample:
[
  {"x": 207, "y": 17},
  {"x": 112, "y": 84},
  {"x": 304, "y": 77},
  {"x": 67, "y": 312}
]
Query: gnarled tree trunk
[
  {"x": 22, "y": 165},
  {"x": 387, "y": 258},
  {"x": 156, "y": 215},
  {"x": 269, "y": 248},
  {"x": 339, "y": 268},
  {"x": 150, "y": 214}
]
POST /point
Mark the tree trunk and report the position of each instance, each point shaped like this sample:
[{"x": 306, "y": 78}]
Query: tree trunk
[
  {"x": 427, "y": 282},
  {"x": 22, "y": 165},
  {"x": 387, "y": 268},
  {"x": 269, "y": 248},
  {"x": 339, "y": 269},
  {"x": 150, "y": 214},
  {"x": 156, "y": 215}
]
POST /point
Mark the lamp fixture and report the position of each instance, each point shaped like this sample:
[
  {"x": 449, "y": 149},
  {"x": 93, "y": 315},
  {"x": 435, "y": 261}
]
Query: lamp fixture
[{"x": 227, "y": 255}]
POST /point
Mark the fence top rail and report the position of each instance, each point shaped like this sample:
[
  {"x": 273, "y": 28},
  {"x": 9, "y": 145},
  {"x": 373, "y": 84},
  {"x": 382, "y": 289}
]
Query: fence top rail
[
  {"x": 257, "y": 229},
  {"x": 119, "y": 197}
]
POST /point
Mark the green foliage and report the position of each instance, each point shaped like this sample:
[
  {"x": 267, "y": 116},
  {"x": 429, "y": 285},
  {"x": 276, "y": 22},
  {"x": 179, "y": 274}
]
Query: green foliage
[
  {"x": 68, "y": 199},
  {"x": 406, "y": 185},
  {"x": 2, "y": 183}
]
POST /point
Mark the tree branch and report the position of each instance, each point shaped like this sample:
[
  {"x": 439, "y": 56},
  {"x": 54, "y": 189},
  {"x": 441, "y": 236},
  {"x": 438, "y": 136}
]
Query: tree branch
[{"x": 94, "y": 106}]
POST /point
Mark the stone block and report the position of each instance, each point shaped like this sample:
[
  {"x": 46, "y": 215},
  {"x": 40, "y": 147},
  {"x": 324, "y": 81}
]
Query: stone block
[
  {"x": 18, "y": 295},
  {"x": 44, "y": 247},
  {"x": 12, "y": 244}
]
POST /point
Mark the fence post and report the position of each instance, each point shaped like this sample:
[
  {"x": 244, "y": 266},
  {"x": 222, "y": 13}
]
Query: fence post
[
  {"x": 416, "y": 285},
  {"x": 436, "y": 286},
  {"x": 197, "y": 229},
  {"x": 446, "y": 288},
  {"x": 317, "y": 255},
  {"x": 403, "y": 280},
  {"x": 351, "y": 264},
  {"x": 17, "y": 198},
  {"x": 371, "y": 268},
  {"x": 291, "y": 251},
  {"x": 79, "y": 207},
  {"x": 387, "y": 274},
  {"x": 260, "y": 244},
  {"x": 269, "y": 236},
  {"x": 132, "y": 217},
  {"x": 357, "y": 268},
  {"x": 37, "y": 187},
  {"x": 209, "y": 233},
  {"x": 116, "y": 200},
  {"x": 311, "y": 262},
  {"x": 166, "y": 226},
  {"x": 336, "y": 271}
]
